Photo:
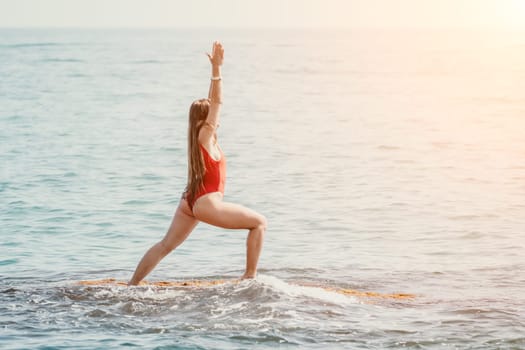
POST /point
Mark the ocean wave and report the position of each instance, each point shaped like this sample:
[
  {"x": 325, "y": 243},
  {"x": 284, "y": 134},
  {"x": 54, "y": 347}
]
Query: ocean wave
[
  {"x": 32, "y": 44},
  {"x": 149, "y": 62},
  {"x": 264, "y": 303},
  {"x": 263, "y": 289},
  {"x": 59, "y": 60}
]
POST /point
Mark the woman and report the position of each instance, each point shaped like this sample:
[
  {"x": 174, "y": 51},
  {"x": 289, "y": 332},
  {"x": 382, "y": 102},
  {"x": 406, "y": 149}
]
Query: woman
[{"x": 203, "y": 197}]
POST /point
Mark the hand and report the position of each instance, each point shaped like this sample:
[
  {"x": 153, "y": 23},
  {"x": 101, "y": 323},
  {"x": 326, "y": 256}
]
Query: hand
[{"x": 217, "y": 54}]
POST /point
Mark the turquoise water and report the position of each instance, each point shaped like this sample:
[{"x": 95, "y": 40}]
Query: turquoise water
[{"x": 385, "y": 161}]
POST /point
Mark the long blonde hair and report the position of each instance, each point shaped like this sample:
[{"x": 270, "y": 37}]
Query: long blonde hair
[{"x": 196, "y": 168}]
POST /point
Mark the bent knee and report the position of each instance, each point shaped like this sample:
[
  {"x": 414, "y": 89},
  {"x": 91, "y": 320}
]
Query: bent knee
[{"x": 262, "y": 223}]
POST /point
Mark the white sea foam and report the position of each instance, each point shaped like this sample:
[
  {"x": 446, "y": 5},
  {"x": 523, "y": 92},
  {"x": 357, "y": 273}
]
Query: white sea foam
[{"x": 294, "y": 290}]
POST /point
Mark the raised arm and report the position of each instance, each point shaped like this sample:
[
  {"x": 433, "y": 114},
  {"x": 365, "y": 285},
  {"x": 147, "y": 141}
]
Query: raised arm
[{"x": 214, "y": 95}]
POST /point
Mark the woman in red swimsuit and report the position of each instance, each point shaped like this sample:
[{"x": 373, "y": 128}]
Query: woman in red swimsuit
[{"x": 202, "y": 200}]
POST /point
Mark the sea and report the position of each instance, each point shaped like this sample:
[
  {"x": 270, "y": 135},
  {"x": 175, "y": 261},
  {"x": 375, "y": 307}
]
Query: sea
[{"x": 385, "y": 161}]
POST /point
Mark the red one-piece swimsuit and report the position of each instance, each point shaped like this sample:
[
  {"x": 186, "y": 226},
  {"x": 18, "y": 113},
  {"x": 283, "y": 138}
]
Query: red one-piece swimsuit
[{"x": 214, "y": 175}]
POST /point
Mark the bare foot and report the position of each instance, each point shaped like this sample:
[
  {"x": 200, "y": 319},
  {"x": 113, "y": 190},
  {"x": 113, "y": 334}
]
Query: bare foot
[{"x": 248, "y": 276}]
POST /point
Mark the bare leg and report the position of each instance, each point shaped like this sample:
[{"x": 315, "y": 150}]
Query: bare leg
[
  {"x": 181, "y": 226},
  {"x": 254, "y": 244},
  {"x": 212, "y": 210}
]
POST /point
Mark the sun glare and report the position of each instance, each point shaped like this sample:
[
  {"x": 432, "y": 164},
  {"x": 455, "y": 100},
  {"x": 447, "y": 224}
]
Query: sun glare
[{"x": 514, "y": 12}]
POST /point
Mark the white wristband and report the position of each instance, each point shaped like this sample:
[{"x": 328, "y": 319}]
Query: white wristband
[{"x": 216, "y": 78}]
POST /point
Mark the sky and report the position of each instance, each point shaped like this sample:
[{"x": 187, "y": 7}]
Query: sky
[{"x": 505, "y": 14}]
